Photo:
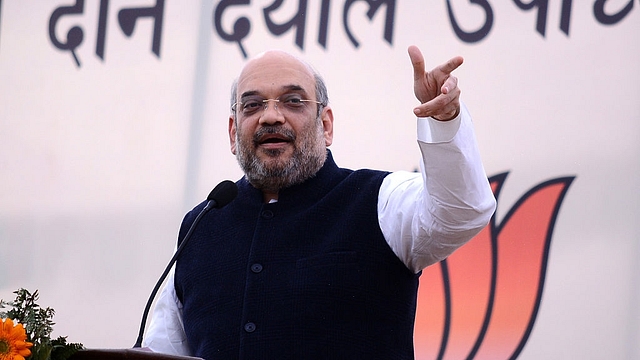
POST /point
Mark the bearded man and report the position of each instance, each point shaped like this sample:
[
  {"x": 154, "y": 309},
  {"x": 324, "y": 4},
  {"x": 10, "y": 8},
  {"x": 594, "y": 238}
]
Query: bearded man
[{"x": 313, "y": 261}]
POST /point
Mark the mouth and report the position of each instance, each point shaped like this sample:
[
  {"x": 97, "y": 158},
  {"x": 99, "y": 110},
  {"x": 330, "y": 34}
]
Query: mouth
[{"x": 274, "y": 138}]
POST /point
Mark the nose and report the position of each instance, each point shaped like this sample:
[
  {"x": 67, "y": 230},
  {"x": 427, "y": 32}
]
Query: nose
[{"x": 271, "y": 116}]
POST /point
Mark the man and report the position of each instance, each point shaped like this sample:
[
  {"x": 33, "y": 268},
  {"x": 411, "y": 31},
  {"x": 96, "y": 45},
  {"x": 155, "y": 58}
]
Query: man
[{"x": 312, "y": 261}]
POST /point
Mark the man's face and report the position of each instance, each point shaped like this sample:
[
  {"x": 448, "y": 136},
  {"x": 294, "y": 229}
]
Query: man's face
[{"x": 285, "y": 143}]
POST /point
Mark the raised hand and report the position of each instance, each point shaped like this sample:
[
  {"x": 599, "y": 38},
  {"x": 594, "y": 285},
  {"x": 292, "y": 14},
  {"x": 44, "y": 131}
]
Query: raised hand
[{"x": 436, "y": 90}]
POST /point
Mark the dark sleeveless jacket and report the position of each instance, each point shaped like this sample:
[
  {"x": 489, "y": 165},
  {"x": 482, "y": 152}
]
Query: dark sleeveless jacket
[{"x": 308, "y": 277}]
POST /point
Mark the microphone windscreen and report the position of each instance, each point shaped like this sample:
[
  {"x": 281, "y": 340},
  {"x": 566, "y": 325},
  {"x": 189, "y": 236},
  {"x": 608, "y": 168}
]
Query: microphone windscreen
[{"x": 223, "y": 193}]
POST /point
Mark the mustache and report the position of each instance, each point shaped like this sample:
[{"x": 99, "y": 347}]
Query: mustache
[{"x": 287, "y": 133}]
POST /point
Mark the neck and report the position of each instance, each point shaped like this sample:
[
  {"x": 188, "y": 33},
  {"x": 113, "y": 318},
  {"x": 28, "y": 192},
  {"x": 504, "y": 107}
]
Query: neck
[{"x": 268, "y": 196}]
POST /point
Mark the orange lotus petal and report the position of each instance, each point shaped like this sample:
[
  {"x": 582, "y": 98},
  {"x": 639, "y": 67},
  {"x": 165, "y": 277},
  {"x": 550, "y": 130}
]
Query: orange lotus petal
[
  {"x": 464, "y": 286},
  {"x": 467, "y": 304},
  {"x": 471, "y": 284},
  {"x": 523, "y": 238},
  {"x": 431, "y": 313}
]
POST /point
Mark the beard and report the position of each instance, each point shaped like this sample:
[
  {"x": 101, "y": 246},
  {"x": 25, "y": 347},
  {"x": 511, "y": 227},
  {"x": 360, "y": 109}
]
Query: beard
[{"x": 276, "y": 173}]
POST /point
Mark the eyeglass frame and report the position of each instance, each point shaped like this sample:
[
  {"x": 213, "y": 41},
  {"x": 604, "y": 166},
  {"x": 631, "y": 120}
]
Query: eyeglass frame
[{"x": 234, "y": 106}]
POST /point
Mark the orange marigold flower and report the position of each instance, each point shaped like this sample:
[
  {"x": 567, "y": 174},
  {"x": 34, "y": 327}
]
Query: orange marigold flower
[{"x": 13, "y": 341}]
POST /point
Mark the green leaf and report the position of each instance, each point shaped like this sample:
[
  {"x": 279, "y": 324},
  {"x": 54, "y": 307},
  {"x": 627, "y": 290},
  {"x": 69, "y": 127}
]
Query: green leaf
[{"x": 38, "y": 324}]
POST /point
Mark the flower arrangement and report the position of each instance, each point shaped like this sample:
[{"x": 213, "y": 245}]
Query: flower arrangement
[{"x": 25, "y": 331}]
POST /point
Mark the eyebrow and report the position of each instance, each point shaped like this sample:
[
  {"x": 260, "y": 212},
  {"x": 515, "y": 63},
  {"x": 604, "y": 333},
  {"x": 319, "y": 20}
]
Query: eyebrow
[{"x": 285, "y": 88}]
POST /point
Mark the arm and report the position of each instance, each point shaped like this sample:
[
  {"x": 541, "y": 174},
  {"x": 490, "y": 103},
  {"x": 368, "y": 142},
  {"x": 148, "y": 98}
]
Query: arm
[
  {"x": 426, "y": 218},
  {"x": 166, "y": 332}
]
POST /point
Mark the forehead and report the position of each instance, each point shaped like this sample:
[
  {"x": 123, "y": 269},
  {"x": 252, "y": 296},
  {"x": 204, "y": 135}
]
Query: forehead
[{"x": 274, "y": 73}]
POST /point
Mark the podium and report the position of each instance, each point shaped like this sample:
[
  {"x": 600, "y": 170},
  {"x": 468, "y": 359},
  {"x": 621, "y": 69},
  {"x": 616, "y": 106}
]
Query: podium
[{"x": 121, "y": 354}]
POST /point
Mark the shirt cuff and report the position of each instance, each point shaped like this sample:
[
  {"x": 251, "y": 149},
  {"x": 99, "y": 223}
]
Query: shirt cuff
[{"x": 432, "y": 131}]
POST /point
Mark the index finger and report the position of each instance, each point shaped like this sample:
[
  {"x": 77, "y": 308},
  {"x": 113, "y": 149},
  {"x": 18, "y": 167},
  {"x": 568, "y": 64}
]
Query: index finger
[
  {"x": 450, "y": 65},
  {"x": 417, "y": 60}
]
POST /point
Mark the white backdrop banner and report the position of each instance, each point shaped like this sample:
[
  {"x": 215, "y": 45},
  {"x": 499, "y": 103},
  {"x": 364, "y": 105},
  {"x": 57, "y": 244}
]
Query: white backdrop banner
[{"x": 113, "y": 123}]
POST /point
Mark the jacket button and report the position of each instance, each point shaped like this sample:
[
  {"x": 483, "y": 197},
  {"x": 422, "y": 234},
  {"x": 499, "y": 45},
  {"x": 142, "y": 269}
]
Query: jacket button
[
  {"x": 249, "y": 327},
  {"x": 267, "y": 214},
  {"x": 256, "y": 268}
]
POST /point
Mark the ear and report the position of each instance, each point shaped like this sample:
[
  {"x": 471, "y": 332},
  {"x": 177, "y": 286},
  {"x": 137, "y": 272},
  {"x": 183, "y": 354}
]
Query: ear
[
  {"x": 232, "y": 134},
  {"x": 327, "y": 125}
]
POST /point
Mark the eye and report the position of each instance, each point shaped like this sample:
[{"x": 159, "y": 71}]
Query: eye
[
  {"x": 292, "y": 101},
  {"x": 251, "y": 105}
]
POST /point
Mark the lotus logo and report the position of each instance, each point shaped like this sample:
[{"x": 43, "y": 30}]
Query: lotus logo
[{"x": 482, "y": 302}]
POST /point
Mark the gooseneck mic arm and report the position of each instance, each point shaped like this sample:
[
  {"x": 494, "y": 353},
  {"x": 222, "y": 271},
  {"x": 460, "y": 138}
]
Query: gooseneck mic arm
[{"x": 219, "y": 197}]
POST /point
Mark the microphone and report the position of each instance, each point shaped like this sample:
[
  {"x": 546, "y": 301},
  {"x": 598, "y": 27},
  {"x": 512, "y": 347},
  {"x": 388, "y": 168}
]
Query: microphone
[
  {"x": 222, "y": 194},
  {"x": 219, "y": 197}
]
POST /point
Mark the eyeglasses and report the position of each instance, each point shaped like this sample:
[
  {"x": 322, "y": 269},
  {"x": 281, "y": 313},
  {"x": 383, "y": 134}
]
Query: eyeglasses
[{"x": 286, "y": 104}]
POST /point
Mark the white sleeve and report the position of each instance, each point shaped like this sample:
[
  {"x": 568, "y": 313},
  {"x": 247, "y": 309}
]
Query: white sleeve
[
  {"x": 166, "y": 331},
  {"x": 426, "y": 217}
]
